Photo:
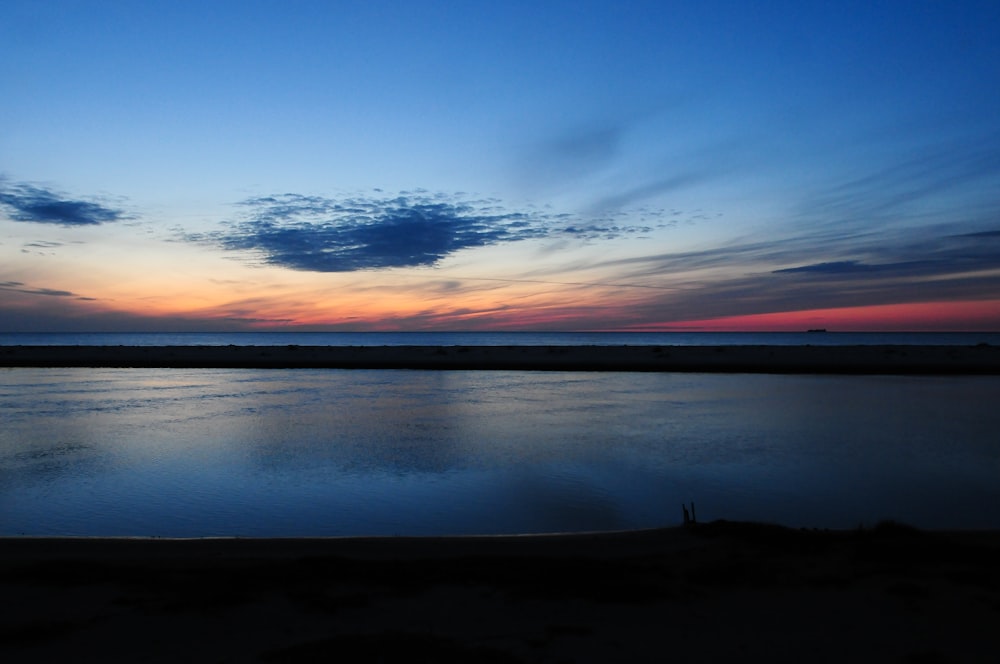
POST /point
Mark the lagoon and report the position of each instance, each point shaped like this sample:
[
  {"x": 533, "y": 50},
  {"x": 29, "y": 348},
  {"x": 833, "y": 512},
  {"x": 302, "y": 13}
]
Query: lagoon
[{"x": 242, "y": 452}]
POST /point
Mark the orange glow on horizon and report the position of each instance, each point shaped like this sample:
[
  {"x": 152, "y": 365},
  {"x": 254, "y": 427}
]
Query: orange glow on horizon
[
  {"x": 376, "y": 315},
  {"x": 263, "y": 299}
]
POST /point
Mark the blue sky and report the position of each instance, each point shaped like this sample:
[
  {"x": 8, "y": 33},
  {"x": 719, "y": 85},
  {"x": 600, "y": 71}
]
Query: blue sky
[{"x": 465, "y": 165}]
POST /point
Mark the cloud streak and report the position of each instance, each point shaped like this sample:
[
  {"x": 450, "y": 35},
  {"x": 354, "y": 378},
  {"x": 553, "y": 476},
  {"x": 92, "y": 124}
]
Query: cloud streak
[
  {"x": 28, "y": 203},
  {"x": 902, "y": 189},
  {"x": 783, "y": 274},
  {"x": 647, "y": 190},
  {"x": 22, "y": 288},
  {"x": 412, "y": 229}
]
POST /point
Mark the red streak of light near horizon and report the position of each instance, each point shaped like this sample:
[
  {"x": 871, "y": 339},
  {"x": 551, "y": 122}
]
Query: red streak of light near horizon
[{"x": 981, "y": 315}]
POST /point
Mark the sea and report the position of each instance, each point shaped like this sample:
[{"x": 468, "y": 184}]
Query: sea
[
  {"x": 499, "y": 338},
  {"x": 330, "y": 452}
]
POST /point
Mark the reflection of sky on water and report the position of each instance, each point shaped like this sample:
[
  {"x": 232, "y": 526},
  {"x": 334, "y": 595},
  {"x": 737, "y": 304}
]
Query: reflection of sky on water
[{"x": 300, "y": 452}]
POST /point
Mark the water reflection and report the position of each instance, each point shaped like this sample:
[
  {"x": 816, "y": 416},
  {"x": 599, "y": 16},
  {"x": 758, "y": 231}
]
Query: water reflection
[{"x": 300, "y": 452}]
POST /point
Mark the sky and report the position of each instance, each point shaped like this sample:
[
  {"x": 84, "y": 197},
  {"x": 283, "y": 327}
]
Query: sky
[{"x": 245, "y": 165}]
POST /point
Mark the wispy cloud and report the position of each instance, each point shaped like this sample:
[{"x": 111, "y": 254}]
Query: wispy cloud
[
  {"x": 43, "y": 244},
  {"x": 900, "y": 190},
  {"x": 833, "y": 267},
  {"x": 983, "y": 234},
  {"x": 25, "y": 202},
  {"x": 574, "y": 154},
  {"x": 20, "y": 287},
  {"x": 783, "y": 274},
  {"x": 646, "y": 190},
  {"x": 412, "y": 229}
]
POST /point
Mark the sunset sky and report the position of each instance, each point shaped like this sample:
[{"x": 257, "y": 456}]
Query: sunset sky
[{"x": 499, "y": 165}]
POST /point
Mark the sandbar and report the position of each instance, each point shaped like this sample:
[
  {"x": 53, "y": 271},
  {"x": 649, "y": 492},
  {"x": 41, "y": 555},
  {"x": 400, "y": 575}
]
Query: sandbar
[{"x": 858, "y": 359}]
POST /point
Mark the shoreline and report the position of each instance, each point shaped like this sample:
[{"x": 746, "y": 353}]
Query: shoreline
[
  {"x": 981, "y": 359},
  {"x": 611, "y": 544},
  {"x": 720, "y": 591},
  {"x": 590, "y": 544}
]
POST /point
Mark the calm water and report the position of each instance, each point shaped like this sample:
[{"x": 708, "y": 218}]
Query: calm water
[
  {"x": 498, "y": 338},
  {"x": 327, "y": 452}
]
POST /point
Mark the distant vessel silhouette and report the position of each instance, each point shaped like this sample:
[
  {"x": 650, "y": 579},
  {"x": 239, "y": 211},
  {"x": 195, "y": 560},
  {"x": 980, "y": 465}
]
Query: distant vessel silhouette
[{"x": 818, "y": 329}]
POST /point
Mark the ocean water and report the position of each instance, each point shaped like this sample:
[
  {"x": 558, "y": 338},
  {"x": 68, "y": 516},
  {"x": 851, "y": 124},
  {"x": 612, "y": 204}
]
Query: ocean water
[
  {"x": 497, "y": 338},
  {"x": 190, "y": 453}
]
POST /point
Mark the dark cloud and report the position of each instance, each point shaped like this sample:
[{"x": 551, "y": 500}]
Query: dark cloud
[
  {"x": 782, "y": 274},
  {"x": 87, "y": 316},
  {"x": 25, "y": 202},
  {"x": 982, "y": 234},
  {"x": 43, "y": 244},
  {"x": 53, "y": 292},
  {"x": 251, "y": 320},
  {"x": 19, "y": 287},
  {"x": 412, "y": 229},
  {"x": 834, "y": 267},
  {"x": 593, "y": 231},
  {"x": 824, "y": 252},
  {"x": 28, "y": 308},
  {"x": 327, "y": 235}
]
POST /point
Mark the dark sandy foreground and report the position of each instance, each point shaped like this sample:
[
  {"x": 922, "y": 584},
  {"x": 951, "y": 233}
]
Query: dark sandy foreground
[
  {"x": 715, "y": 592},
  {"x": 980, "y": 359}
]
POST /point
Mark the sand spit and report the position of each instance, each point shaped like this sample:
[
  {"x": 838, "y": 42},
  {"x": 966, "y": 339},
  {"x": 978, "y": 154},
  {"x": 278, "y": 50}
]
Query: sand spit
[
  {"x": 713, "y": 592},
  {"x": 980, "y": 359}
]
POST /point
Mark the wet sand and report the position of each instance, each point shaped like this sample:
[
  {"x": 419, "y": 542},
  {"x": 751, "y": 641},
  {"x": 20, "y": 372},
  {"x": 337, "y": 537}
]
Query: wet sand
[
  {"x": 712, "y": 592},
  {"x": 980, "y": 359}
]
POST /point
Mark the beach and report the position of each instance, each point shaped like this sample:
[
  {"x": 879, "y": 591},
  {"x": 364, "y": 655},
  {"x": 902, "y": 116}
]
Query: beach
[
  {"x": 979, "y": 359},
  {"x": 721, "y": 591}
]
